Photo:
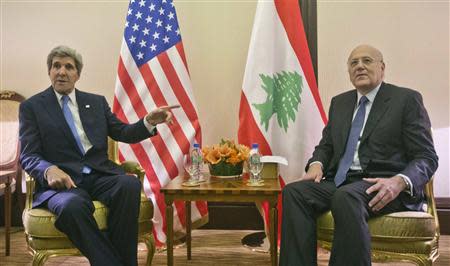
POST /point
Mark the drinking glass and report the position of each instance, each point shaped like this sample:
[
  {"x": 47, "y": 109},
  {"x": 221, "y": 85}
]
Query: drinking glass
[
  {"x": 255, "y": 168},
  {"x": 190, "y": 168}
]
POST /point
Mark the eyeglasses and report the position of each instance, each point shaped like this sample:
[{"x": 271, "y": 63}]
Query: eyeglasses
[{"x": 366, "y": 61}]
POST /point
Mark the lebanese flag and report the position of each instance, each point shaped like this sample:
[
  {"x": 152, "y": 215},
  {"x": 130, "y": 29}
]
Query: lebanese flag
[{"x": 280, "y": 104}]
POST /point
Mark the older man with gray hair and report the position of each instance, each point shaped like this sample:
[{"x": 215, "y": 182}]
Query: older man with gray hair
[{"x": 375, "y": 157}]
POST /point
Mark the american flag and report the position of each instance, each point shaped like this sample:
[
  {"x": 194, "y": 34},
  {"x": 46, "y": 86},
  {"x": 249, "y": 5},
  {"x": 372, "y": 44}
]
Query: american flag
[{"x": 152, "y": 72}]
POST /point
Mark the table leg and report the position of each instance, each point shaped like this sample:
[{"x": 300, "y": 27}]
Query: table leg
[
  {"x": 275, "y": 235},
  {"x": 188, "y": 228},
  {"x": 169, "y": 233},
  {"x": 7, "y": 215},
  {"x": 273, "y": 227}
]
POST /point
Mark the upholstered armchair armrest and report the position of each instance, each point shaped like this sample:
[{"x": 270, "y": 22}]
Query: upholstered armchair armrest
[
  {"x": 133, "y": 168},
  {"x": 431, "y": 204},
  {"x": 30, "y": 184},
  {"x": 129, "y": 167}
]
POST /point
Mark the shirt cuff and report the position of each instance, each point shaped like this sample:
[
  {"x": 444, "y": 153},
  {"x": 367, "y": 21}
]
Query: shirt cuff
[
  {"x": 45, "y": 172},
  {"x": 316, "y": 162},
  {"x": 407, "y": 180},
  {"x": 149, "y": 126}
]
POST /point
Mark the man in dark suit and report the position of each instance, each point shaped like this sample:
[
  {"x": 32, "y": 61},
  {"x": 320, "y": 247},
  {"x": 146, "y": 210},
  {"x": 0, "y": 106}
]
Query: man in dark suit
[
  {"x": 375, "y": 157},
  {"x": 63, "y": 137}
]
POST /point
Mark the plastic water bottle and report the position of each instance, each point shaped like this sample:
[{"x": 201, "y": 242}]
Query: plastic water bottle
[
  {"x": 197, "y": 160},
  {"x": 255, "y": 164}
]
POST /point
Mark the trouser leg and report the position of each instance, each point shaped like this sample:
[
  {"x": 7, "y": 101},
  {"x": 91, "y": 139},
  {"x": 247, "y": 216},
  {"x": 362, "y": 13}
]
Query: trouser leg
[
  {"x": 351, "y": 242},
  {"x": 121, "y": 194},
  {"x": 74, "y": 217},
  {"x": 302, "y": 202}
]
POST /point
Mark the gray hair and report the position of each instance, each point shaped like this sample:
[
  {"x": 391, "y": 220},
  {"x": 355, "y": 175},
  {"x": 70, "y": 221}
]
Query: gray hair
[{"x": 65, "y": 51}]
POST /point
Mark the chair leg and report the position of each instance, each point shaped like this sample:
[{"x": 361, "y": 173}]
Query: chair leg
[
  {"x": 420, "y": 260},
  {"x": 423, "y": 261},
  {"x": 40, "y": 257},
  {"x": 20, "y": 196},
  {"x": 150, "y": 243},
  {"x": 417, "y": 259}
]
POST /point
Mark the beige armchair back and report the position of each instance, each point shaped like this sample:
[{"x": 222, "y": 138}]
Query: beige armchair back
[{"x": 11, "y": 173}]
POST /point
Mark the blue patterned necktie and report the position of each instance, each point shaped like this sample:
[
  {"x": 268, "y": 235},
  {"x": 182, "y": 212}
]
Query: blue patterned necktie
[
  {"x": 69, "y": 118},
  {"x": 352, "y": 141}
]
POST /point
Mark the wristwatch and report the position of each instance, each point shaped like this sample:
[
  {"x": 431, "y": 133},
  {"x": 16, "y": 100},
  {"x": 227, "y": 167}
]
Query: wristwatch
[{"x": 408, "y": 186}]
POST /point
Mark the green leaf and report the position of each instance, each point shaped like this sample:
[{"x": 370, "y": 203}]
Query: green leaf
[{"x": 283, "y": 98}]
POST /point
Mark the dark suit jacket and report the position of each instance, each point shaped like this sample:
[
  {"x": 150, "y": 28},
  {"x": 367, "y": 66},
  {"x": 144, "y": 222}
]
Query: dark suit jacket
[
  {"x": 396, "y": 138},
  {"x": 46, "y": 139}
]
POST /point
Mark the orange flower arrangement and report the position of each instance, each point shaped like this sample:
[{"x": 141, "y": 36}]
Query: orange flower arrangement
[{"x": 227, "y": 152}]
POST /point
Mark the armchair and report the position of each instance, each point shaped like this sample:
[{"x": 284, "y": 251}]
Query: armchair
[
  {"x": 45, "y": 241},
  {"x": 399, "y": 236},
  {"x": 11, "y": 173}
]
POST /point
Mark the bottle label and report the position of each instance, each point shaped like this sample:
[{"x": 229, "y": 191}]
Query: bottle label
[
  {"x": 255, "y": 158},
  {"x": 196, "y": 156}
]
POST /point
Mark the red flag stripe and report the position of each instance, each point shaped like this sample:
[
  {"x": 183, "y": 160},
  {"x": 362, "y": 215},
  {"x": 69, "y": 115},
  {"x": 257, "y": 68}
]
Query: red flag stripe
[
  {"x": 162, "y": 82},
  {"x": 180, "y": 50},
  {"x": 201, "y": 206},
  {"x": 156, "y": 94},
  {"x": 175, "y": 58},
  {"x": 121, "y": 158},
  {"x": 117, "y": 108},
  {"x": 178, "y": 89},
  {"x": 173, "y": 78},
  {"x": 293, "y": 24},
  {"x": 158, "y": 219},
  {"x": 130, "y": 89},
  {"x": 163, "y": 153},
  {"x": 152, "y": 178},
  {"x": 149, "y": 193},
  {"x": 138, "y": 106},
  {"x": 144, "y": 160},
  {"x": 250, "y": 133},
  {"x": 186, "y": 103}
]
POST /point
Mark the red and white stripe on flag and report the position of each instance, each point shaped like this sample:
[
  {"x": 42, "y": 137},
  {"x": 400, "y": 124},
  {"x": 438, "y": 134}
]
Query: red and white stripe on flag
[
  {"x": 152, "y": 72},
  {"x": 280, "y": 104}
]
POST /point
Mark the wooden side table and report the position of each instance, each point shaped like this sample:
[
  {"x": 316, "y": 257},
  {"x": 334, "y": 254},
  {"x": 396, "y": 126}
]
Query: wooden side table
[
  {"x": 6, "y": 178},
  {"x": 223, "y": 190}
]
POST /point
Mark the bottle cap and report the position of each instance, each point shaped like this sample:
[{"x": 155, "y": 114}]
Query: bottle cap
[
  {"x": 196, "y": 145},
  {"x": 255, "y": 145}
]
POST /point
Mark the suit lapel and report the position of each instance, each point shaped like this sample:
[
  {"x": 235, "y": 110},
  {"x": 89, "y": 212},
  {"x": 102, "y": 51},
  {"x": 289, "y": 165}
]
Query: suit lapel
[
  {"x": 50, "y": 103},
  {"x": 379, "y": 107}
]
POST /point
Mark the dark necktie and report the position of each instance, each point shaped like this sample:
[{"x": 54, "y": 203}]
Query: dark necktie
[
  {"x": 352, "y": 141},
  {"x": 69, "y": 118}
]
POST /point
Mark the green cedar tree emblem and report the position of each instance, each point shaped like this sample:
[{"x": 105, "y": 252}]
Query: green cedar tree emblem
[{"x": 283, "y": 97}]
